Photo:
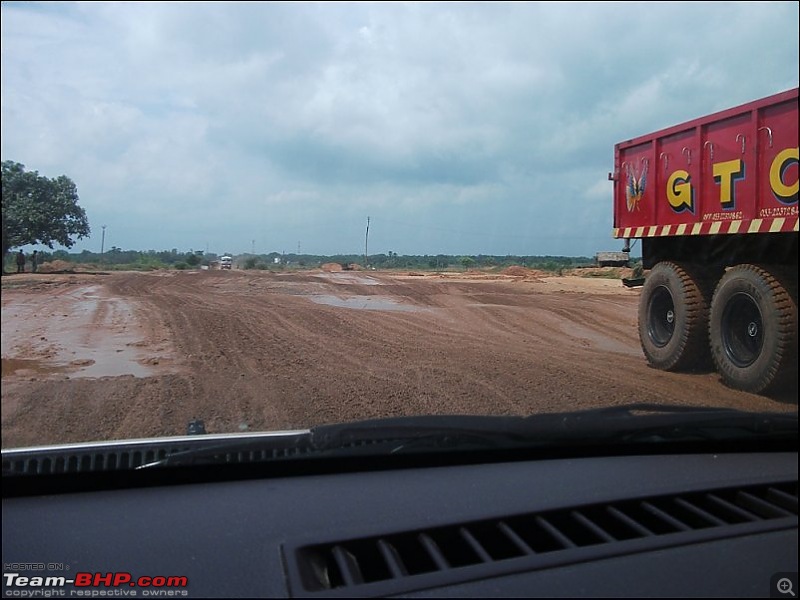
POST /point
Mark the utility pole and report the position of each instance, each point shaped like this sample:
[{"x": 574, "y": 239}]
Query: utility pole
[
  {"x": 102, "y": 242},
  {"x": 366, "y": 245},
  {"x": 254, "y": 247}
]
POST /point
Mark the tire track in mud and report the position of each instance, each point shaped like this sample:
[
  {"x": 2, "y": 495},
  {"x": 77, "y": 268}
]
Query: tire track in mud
[{"x": 257, "y": 353}]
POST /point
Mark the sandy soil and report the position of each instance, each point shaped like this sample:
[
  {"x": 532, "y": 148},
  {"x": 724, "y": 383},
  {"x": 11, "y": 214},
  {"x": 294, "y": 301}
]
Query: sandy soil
[{"x": 91, "y": 357}]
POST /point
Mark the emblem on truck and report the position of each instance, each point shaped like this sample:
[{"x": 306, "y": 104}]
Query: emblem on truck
[{"x": 634, "y": 190}]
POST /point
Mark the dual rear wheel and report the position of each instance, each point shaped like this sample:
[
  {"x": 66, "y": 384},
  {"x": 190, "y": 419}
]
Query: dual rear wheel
[
  {"x": 753, "y": 329},
  {"x": 673, "y": 318},
  {"x": 747, "y": 325}
]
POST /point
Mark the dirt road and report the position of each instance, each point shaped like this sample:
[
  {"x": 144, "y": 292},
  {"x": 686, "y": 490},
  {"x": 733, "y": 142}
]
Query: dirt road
[{"x": 91, "y": 357}]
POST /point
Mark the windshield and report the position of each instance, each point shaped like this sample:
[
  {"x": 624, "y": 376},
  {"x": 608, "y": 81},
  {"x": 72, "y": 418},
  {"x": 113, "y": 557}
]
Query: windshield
[{"x": 237, "y": 218}]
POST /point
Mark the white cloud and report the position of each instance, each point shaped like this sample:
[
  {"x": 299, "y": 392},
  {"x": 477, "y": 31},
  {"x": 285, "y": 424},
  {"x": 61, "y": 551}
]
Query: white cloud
[{"x": 286, "y": 117}]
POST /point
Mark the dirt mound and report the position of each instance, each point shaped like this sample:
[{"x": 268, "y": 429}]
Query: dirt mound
[
  {"x": 56, "y": 266},
  {"x": 517, "y": 271},
  {"x": 332, "y": 267},
  {"x": 602, "y": 272}
]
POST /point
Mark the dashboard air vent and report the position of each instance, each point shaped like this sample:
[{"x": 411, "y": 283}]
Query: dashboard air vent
[
  {"x": 401, "y": 561},
  {"x": 124, "y": 456}
]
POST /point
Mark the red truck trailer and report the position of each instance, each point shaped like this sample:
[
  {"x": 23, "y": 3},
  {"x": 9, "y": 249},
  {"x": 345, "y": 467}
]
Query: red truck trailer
[{"x": 714, "y": 202}]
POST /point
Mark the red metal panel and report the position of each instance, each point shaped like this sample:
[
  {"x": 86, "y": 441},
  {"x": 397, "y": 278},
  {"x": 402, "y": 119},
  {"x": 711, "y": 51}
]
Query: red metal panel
[
  {"x": 777, "y": 142},
  {"x": 676, "y": 194},
  {"x": 634, "y": 195},
  {"x": 716, "y": 174},
  {"x": 729, "y": 169}
]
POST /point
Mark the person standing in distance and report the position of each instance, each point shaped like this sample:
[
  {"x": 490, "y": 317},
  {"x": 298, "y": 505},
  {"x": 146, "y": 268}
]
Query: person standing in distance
[{"x": 20, "y": 261}]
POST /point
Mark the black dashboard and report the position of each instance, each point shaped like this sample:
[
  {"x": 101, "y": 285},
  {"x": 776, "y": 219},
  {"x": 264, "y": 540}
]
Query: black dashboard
[{"x": 635, "y": 526}]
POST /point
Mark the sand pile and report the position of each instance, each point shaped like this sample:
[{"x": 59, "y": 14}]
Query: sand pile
[
  {"x": 517, "y": 271},
  {"x": 54, "y": 266}
]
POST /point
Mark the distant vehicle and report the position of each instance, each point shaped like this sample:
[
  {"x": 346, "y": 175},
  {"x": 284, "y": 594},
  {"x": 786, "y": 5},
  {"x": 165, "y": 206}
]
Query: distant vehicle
[
  {"x": 225, "y": 262},
  {"x": 613, "y": 259},
  {"x": 715, "y": 203}
]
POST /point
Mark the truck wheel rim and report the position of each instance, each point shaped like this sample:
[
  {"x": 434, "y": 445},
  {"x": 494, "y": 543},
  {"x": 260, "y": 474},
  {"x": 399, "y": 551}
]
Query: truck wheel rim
[
  {"x": 742, "y": 330},
  {"x": 661, "y": 322}
]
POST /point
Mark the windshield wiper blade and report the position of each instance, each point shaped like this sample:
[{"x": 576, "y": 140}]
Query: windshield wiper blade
[
  {"x": 238, "y": 450},
  {"x": 633, "y": 423},
  {"x": 610, "y": 428},
  {"x": 618, "y": 425}
]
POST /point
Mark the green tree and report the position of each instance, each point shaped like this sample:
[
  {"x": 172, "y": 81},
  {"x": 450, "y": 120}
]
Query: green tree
[
  {"x": 38, "y": 210},
  {"x": 250, "y": 262}
]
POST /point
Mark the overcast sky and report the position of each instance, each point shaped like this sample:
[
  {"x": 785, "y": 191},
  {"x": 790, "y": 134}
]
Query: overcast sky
[{"x": 459, "y": 128}]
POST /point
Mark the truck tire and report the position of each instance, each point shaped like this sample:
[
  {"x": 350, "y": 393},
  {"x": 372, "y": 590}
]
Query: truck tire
[
  {"x": 673, "y": 318},
  {"x": 753, "y": 329}
]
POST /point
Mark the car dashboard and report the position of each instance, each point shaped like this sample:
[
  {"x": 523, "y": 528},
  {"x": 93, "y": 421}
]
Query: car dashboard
[{"x": 642, "y": 525}]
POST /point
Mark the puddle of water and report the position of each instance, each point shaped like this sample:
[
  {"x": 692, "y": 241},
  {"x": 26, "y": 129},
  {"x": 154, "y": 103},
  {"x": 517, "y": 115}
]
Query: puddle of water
[
  {"x": 598, "y": 340},
  {"x": 25, "y": 366},
  {"x": 84, "y": 333},
  {"x": 108, "y": 360},
  {"x": 349, "y": 278},
  {"x": 364, "y": 303},
  {"x": 107, "y": 351}
]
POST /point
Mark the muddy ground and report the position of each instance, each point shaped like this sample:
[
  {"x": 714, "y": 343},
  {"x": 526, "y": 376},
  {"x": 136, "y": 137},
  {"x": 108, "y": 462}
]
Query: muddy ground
[{"x": 126, "y": 355}]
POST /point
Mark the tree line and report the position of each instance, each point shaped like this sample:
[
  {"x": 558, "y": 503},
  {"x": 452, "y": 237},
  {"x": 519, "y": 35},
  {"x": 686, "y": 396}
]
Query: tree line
[
  {"x": 40, "y": 210},
  {"x": 165, "y": 259}
]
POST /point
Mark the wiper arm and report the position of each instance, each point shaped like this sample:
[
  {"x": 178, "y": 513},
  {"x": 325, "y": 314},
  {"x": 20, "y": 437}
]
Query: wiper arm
[
  {"x": 258, "y": 447},
  {"x": 633, "y": 423},
  {"x": 617, "y": 426}
]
